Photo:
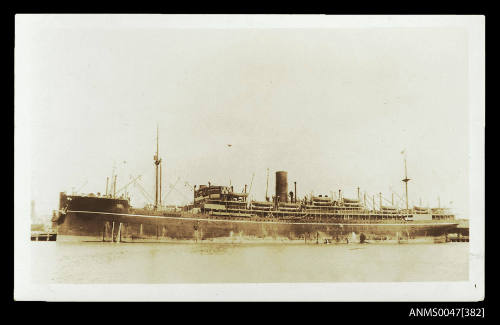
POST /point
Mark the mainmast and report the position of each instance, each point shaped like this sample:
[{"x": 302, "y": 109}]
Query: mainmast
[
  {"x": 157, "y": 161},
  {"x": 159, "y": 195},
  {"x": 406, "y": 180},
  {"x": 267, "y": 185}
]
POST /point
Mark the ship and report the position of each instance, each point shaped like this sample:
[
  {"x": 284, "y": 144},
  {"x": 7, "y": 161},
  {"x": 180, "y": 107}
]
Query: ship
[{"x": 218, "y": 213}]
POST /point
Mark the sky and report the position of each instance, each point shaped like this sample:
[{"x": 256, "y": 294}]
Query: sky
[{"x": 334, "y": 107}]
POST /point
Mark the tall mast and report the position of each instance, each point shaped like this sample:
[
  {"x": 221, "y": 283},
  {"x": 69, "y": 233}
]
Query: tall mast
[
  {"x": 113, "y": 177},
  {"x": 250, "y": 191},
  {"x": 157, "y": 162},
  {"x": 406, "y": 180},
  {"x": 159, "y": 196},
  {"x": 267, "y": 184}
]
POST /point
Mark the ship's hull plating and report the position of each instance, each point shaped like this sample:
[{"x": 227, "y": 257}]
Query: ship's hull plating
[{"x": 102, "y": 226}]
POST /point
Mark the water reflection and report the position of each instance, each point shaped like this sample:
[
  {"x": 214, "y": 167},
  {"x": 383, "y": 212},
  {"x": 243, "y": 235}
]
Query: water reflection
[
  {"x": 213, "y": 249},
  {"x": 226, "y": 262}
]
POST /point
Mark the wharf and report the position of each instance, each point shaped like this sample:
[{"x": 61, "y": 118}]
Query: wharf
[
  {"x": 459, "y": 239},
  {"x": 43, "y": 236},
  {"x": 462, "y": 234}
]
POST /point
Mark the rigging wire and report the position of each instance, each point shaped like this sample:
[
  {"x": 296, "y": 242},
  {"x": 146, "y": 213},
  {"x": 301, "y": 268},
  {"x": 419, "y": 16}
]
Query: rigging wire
[
  {"x": 172, "y": 187},
  {"x": 144, "y": 192}
]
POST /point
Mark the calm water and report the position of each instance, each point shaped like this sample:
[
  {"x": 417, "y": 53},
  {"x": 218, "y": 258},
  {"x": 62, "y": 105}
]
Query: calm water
[{"x": 56, "y": 262}]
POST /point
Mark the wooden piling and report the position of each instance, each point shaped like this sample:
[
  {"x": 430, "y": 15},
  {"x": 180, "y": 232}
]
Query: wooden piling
[{"x": 119, "y": 235}]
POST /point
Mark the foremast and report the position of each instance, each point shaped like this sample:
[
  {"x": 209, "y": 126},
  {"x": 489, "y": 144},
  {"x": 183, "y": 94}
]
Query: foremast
[
  {"x": 406, "y": 180},
  {"x": 157, "y": 163}
]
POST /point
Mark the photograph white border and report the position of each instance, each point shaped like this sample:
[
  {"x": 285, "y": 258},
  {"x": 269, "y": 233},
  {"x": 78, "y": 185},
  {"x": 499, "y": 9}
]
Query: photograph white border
[{"x": 472, "y": 290}]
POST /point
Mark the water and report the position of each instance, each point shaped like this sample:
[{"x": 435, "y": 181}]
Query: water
[{"x": 97, "y": 263}]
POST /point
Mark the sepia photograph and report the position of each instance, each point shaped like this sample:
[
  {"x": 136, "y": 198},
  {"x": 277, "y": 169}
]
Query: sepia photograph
[{"x": 249, "y": 157}]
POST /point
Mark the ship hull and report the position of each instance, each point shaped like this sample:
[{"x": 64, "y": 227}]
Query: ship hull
[{"x": 124, "y": 227}]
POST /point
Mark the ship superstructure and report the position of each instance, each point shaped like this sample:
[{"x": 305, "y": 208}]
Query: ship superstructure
[{"x": 223, "y": 201}]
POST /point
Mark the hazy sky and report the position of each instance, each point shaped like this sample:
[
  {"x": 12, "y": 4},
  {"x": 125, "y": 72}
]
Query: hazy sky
[{"x": 333, "y": 107}]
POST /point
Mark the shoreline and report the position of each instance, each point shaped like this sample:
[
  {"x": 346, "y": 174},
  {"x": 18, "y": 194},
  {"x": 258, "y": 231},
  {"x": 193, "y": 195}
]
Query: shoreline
[{"x": 242, "y": 241}]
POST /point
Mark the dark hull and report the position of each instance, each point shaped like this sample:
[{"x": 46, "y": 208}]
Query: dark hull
[{"x": 108, "y": 226}]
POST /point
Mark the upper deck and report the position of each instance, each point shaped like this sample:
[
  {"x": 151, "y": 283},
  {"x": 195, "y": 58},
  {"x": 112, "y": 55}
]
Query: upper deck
[{"x": 222, "y": 201}]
